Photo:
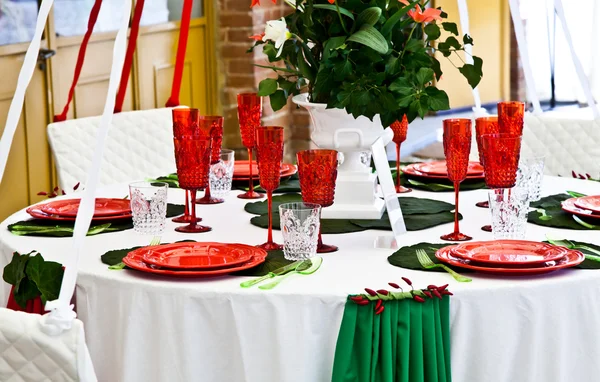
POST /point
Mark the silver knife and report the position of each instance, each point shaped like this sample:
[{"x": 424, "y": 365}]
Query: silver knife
[{"x": 270, "y": 275}]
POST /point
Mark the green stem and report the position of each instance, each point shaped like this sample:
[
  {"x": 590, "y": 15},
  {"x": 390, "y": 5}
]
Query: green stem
[
  {"x": 407, "y": 40},
  {"x": 337, "y": 6},
  {"x": 277, "y": 68}
]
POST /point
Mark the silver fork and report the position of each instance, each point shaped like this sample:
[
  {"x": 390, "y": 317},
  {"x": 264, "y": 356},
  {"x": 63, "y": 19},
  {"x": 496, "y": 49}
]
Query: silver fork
[
  {"x": 155, "y": 241},
  {"x": 426, "y": 263}
]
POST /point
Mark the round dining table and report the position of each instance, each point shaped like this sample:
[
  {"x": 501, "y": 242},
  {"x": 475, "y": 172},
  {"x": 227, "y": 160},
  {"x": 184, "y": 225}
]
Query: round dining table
[{"x": 144, "y": 327}]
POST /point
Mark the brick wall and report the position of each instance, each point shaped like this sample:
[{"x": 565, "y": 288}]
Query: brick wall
[{"x": 238, "y": 74}]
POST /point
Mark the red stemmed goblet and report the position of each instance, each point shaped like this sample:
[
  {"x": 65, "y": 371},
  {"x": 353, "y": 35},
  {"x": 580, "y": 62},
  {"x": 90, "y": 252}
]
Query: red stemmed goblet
[
  {"x": 249, "y": 113},
  {"x": 185, "y": 123},
  {"x": 484, "y": 125},
  {"x": 400, "y": 128},
  {"x": 317, "y": 170},
  {"x": 457, "y": 146},
  {"x": 501, "y": 153},
  {"x": 269, "y": 154},
  {"x": 510, "y": 117},
  {"x": 192, "y": 156},
  {"x": 214, "y": 124}
]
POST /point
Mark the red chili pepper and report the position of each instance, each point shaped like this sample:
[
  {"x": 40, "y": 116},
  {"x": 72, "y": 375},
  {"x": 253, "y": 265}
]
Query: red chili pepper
[
  {"x": 431, "y": 287},
  {"x": 371, "y": 292},
  {"x": 363, "y": 302},
  {"x": 63, "y": 192},
  {"x": 357, "y": 298},
  {"x": 394, "y": 285},
  {"x": 75, "y": 187},
  {"x": 378, "y": 305},
  {"x": 437, "y": 294},
  {"x": 383, "y": 292},
  {"x": 42, "y": 193},
  {"x": 407, "y": 281},
  {"x": 418, "y": 299},
  {"x": 588, "y": 175},
  {"x": 441, "y": 288},
  {"x": 52, "y": 195},
  {"x": 380, "y": 310},
  {"x": 574, "y": 174},
  {"x": 427, "y": 293},
  {"x": 447, "y": 292},
  {"x": 56, "y": 189}
]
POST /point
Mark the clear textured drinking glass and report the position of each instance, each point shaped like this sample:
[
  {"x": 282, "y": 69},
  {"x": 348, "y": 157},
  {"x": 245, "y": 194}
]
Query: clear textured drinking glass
[
  {"x": 509, "y": 208},
  {"x": 300, "y": 224},
  {"x": 530, "y": 174},
  {"x": 149, "y": 207},
  {"x": 221, "y": 174}
]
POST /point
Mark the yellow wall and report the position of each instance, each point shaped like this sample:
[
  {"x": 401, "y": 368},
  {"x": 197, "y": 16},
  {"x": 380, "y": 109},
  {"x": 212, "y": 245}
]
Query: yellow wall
[{"x": 490, "y": 29}]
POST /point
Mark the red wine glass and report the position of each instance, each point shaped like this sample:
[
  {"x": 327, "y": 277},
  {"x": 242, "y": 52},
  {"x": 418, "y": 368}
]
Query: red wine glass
[
  {"x": 249, "y": 113},
  {"x": 400, "y": 128},
  {"x": 185, "y": 123},
  {"x": 214, "y": 124}
]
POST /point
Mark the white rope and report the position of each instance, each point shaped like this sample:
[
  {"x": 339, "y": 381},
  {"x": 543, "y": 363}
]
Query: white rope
[
  {"x": 463, "y": 12},
  {"x": 16, "y": 105},
  {"x": 585, "y": 84},
  {"x": 61, "y": 310}
]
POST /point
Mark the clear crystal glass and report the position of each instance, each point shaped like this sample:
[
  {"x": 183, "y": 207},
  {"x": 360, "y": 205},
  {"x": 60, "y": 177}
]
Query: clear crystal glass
[
  {"x": 300, "y": 223},
  {"x": 149, "y": 207},
  {"x": 221, "y": 174},
  {"x": 530, "y": 174},
  {"x": 509, "y": 208}
]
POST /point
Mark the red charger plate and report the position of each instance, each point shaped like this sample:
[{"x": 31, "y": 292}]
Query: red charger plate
[
  {"x": 571, "y": 259},
  {"x": 439, "y": 168},
  {"x": 287, "y": 169},
  {"x": 410, "y": 171},
  {"x": 103, "y": 207},
  {"x": 570, "y": 207},
  {"x": 39, "y": 214},
  {"x": 135, "y": 260},
  {"x": 591, "y": 203},
  {"x": 509, "y": 252},
  {"x": 203, "y": 256}
]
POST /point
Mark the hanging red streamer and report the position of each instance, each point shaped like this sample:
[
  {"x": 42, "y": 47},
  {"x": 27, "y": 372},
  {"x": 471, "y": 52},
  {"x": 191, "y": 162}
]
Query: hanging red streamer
[{"x": 184, "y": 30}]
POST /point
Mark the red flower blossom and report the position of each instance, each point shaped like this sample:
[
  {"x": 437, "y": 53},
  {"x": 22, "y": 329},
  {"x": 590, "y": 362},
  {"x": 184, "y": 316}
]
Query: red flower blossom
[
  {"x": 419, "y": 16},
  {"x": 258, "y": 37},
  {"x": 257, "y": 2}
]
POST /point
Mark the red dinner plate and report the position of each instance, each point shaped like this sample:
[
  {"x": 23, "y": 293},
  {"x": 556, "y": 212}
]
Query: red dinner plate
[
  {"x": 571, "y": 259},
  {"x": 39, "y": 214},
  {"x": 439, "y": 168},
  {"x": 104, "y": 207},
  {"x": 135, "y": 260},
  {"x": 591, "y": 203},
  {"x": 287, "y": 169},
  {"x": 410, "y": 171},
  {"x": 199, "y": 255},
  {"x": 509, "y": 252},
  {"x": 570, "y": 207}
]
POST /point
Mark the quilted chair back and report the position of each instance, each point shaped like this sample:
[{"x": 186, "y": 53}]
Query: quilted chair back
[
  {"x": 139, "y": 145},
  {"x": 569, "y": 144},
  {"x": 28, "y": 354}
]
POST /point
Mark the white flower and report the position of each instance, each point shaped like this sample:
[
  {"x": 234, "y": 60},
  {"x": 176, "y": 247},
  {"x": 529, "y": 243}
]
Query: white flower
[{"x": 277, "y": 31}]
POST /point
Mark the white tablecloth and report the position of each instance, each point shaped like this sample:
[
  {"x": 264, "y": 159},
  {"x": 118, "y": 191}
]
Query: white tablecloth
[{"x": 145, "y": 328}]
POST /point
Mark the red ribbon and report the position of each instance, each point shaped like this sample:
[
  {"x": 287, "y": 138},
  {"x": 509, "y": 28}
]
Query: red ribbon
[
  {"x": 184, "y": 30},
  {"x": 135, "y": 28},
  {"x": 80, "y": 58}
]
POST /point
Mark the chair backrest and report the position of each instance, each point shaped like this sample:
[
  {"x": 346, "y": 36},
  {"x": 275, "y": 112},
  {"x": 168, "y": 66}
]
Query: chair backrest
[
  {"x": 28, "y": 354},
  {"x": 139, "y": 145},
  {"x": 570, "y": 144}
]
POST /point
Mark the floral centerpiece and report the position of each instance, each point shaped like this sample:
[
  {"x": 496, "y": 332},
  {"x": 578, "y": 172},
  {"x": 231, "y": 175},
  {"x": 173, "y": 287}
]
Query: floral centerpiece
[{"x": 369, "y": 57}]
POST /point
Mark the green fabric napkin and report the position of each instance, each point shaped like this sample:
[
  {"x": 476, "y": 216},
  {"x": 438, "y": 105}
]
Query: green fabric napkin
[
  {"x": 437, "y": 185},
  {"x": 548, "y": 213},
  {"x": 408, "y": 342},
  {"x": 406, "y": 257},
  {"x": 273, "y": 261},
  {"x": 42, "y": 227},
  {"x": 418, "y": 214}
]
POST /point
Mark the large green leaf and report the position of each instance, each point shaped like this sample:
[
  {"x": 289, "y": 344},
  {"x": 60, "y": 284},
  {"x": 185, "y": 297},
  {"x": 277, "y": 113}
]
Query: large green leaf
[
  {"x": 369, "y": 36},
  {"x": 553, "y": 215},
  {"x": 267, "y": 87},
  {"x": 424, "y": 76},
  {"x": 438, "y": 99},
  {"x": 334, "y": 8},
  {"x": 433, "y": 31},
  {"x": 391, "y": 22},
  {"x": 406, "y": 257},
  {"x": 278, "y": 100},
  {"x": 369, "y": 16},
  {"x": 328, "y": 226},
  {"x": 450, "y": 27},
  {"x": 47, "y": 276},
  {"x": 260, "y": 208},
  {"x": 305, "y": 69},
  {"x": 14, "y": 272},
  {"x": 332, "y": 44}
]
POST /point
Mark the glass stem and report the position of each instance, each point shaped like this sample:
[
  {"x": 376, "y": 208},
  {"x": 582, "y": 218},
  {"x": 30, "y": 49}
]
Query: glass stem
[
  {"x": 456, "y": 190},
  {"x": 270, "y": 209},
  {"x": 187, "y": 203},
  {"x": 193, "y": 197},
  {"x": 251, "y": 189},
  {"x": 397, "y": 167}
]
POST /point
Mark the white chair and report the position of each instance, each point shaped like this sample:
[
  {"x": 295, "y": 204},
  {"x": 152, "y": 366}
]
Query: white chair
[
  {"x": 28, "y": 354},
  {"x": 139, "y": 145}
]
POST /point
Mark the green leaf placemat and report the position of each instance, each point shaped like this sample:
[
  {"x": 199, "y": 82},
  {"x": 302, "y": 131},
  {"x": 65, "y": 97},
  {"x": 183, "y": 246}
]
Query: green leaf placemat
[
  {"x": 328, "y": 226},
  {"x": 549, "y": 213},
  {"x": 414, "y": 222},
  {"x": 587, "y": 264},
  {"x": 287, "y": 185},
  {"x": 274, "y": 260},
  {"x": 42, "y": 227},
  {"x": 406, "y": 257},
  {"x": 261, "y": 207}
]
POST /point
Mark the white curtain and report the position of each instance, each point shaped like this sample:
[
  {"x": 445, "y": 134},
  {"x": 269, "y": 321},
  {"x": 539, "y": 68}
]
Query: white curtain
[{"x": 585, "y": 31}]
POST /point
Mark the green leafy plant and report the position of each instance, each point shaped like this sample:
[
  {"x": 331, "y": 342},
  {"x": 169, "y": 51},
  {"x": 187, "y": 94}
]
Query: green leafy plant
[
  {"x": 371, "y": 57},
  {"x": 32, "y": 277}
]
